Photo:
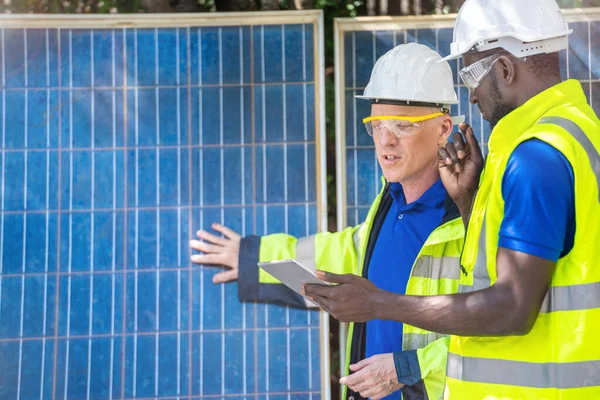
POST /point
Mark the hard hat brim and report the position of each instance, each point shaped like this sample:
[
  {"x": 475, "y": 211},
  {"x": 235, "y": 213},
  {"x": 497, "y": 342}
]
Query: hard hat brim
[
  {"x": 415, "y": 103},
  {"x": 498, "y": 44}
]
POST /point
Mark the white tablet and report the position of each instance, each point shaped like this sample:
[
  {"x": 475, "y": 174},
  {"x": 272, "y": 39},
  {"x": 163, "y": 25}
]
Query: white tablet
[{"x": 292, "y": 274}]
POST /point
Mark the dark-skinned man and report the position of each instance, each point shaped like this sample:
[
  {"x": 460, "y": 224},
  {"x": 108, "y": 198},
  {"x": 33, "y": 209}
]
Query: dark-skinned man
[
  {"x": 526, "y": 323},
  {"x": 409, "y": 242}
]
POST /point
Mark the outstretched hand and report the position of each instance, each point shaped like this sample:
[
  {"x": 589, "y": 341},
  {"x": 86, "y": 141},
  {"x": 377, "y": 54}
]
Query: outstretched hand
[{"x": 223, "y": 251}]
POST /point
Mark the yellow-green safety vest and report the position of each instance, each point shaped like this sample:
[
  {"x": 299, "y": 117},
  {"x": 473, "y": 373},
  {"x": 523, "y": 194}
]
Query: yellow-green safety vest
[
  {"x": 559, "y": 359},
  {"x": 436, "y": 270}
]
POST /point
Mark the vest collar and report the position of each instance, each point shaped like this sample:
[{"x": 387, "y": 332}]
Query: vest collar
[{"x": 515, "y": 123}]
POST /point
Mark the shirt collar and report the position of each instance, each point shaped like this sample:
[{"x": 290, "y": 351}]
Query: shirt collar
[
  {"x": 433, "y": 197},
  {"x": 516, "y": 122}
]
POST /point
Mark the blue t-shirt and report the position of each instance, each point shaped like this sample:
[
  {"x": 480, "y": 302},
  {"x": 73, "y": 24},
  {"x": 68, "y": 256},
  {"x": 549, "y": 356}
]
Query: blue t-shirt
[
  {"x": 539, "y": 201},
  {"x": 404, "y": 231}
]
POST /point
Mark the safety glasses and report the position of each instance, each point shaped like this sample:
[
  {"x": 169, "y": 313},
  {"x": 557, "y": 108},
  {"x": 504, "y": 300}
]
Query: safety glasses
[
  {"x": 474, "y": 73},
  {"x": 397, "y": 125}
]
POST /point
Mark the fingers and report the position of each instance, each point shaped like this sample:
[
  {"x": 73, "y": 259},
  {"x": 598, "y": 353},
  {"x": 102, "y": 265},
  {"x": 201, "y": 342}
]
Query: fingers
[
  {"x": 334, "y": 278},
  {"x": 444, "y": 158},
  {"x": 225, "y": 231},
  {"x": 353, "y": 380},
  {"x": 359, "y": 384},
  {"x": 205, "y": 247},
  {"x": 366, "y": 387},
  {"x": 208, "y": 259},
  {"x": 316, "y": 291},
  {"x": 226, "y": 276},
  {"x": 472, "y": 143},
  {"x": 451, "y": 150},
  {"x": 360, "y": 365},
  {"x": 209, "y": 237},
  {"x": 323, "y": 302},
  {"x": 459, "y": 145}
]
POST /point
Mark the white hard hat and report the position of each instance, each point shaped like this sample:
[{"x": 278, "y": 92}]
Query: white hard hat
[
  {"x": 521, "y": 27},
  {"x": 410, "y": 73}
]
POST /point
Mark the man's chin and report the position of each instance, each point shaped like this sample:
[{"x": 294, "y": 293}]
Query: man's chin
[{"x": 392, "y": 177}]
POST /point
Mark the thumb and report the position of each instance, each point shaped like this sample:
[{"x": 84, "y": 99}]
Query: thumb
[
  {"x": 226, "y": 276},
  {"x": 360, "y": 365}
]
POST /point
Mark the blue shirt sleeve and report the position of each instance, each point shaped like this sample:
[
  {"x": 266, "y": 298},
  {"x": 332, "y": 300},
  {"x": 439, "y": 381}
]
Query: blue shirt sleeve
[{"x": 539, "y": 204}]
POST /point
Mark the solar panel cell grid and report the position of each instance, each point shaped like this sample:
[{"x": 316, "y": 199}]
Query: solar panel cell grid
[{"x": 117, "y": 144}]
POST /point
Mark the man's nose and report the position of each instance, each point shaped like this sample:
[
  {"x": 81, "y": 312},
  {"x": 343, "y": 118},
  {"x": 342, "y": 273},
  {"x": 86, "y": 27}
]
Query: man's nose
[{"x": 387, "y": 138}]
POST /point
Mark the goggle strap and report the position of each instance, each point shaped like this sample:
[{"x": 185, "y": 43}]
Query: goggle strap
[{"x": 403, "y": 118}]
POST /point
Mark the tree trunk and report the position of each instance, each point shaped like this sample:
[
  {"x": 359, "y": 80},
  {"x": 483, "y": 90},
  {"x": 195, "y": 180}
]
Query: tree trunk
[
  {"x": 417, "y": 9},
  {"x": 384, "y": 7},
  {"x": 404, "y": 7},
  {"x": 300, "y": 4},
  {"x": 439, "y": 6},
  {"x": 371, "y": 7}
]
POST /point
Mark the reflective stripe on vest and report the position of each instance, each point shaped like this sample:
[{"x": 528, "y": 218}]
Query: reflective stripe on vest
[
  {"x": 579, "y": 135},
  {"x": 431, "y": 268},
  {"x": 437, "y": 267},
  {"x": 305, "y": 252},
  {"x": 413, "y": 341},
  {"x": 519, "y": 373},
  {"x": 356, "y": 238},
  {"x": 573, "y": 297}
]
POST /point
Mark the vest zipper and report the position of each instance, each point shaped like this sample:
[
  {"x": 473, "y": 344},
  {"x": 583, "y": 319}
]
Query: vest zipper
[{"x": 462, "y": 268}]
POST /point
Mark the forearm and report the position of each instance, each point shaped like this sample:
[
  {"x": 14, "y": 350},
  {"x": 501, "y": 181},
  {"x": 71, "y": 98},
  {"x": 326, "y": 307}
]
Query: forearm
[{"x": 488, "y": 312}]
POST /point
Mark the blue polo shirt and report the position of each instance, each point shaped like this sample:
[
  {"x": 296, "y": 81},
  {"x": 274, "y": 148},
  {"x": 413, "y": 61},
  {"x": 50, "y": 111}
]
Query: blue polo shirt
[
  {"x": 403, "y": 233},
  {"x": 538, "y": 188}
]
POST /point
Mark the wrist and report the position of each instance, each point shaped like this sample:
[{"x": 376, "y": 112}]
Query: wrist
[
  {"x": 465, "y": 202},
  {"x": 384, "y": 301}
]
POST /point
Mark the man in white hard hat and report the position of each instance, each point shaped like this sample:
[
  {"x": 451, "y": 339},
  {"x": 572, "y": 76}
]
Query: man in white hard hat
[
  {"x": 525, "y": 325},
  {"x": 409, "y": 243}
]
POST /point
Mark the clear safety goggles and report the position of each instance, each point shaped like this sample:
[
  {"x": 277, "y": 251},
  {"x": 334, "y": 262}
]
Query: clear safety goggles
[
  {"x": 397, "y": 125},
  {"x": 474, "y": 73}
]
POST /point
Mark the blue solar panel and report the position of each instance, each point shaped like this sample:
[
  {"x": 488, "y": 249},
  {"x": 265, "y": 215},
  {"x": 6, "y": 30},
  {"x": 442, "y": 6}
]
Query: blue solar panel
[
  {"x": 117, "y": 145},
  {"x": 362, "y": 43}
]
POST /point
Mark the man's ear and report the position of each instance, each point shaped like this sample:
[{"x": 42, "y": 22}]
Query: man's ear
[
  {"x": 508, "y": 70},
  {"x": 445, "y": 131}
]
